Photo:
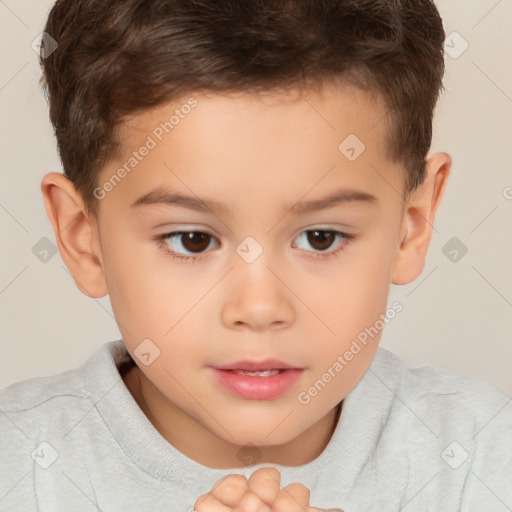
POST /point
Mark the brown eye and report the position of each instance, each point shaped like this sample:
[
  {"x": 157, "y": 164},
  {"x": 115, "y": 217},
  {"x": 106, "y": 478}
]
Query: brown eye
[
  {"x": 186, "y": 243},
  {"x": 195, "y": 241},
  {"x": 321, "y": 240}
]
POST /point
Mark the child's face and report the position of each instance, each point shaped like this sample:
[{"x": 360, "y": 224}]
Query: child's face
[{"x": 258, "y": 159}]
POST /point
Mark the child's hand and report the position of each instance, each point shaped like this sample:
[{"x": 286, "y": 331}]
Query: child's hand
[{"x": 262, "y": 493}]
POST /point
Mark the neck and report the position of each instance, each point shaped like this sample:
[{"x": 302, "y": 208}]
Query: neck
[{"x": 203, "y": 446}]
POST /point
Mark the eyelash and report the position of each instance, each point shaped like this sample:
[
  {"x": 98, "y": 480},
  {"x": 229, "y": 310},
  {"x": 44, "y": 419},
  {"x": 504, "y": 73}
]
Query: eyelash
[{"x": 161, "y": 241}]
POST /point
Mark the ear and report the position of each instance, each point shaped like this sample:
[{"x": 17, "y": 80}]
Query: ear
[
  {"x": 76, "y": 234},
  {"x": 418, "y": 220}
]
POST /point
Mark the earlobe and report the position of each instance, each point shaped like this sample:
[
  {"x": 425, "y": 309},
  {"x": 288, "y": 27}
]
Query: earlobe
[
  {"x": 418, "y": 220},
  {"x": 75, "y": 233}
]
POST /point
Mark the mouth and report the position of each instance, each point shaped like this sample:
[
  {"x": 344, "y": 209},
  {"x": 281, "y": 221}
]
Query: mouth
[
  {"x": 272, "y": 365},
  {"x": 256, "y": 384},
  {"x": 257, "y": 373}
]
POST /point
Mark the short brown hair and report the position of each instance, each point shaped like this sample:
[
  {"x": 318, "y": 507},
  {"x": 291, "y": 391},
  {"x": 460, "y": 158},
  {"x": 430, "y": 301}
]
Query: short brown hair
[{"x": 120, "y": 57}]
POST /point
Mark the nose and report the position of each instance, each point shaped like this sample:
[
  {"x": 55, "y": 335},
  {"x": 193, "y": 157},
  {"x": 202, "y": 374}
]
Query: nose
[{"x": 257, "y": 298}]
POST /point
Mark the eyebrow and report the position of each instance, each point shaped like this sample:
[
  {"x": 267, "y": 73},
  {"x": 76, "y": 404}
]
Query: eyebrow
[{"x": 163, "y": 196}]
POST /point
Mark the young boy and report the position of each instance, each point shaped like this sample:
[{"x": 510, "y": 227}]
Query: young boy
[{"x": 289, "y": 141}]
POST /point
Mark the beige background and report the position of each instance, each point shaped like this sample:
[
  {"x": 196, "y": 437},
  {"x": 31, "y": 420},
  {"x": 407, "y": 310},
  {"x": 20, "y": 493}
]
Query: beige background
[{"x": 456, "y": 314}]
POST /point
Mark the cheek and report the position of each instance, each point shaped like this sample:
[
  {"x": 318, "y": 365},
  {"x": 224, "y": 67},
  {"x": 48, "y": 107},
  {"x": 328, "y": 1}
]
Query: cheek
[
  {"x": 136, "y": 284},
  {"x": 153, "y": 298},
  {"x": 352, "y": 302},
  {"x": 355, "y": 292}
]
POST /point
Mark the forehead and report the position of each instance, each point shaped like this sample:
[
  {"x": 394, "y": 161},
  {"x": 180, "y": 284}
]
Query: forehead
[
  {"x": 258, "y": 142},
  {"x": 329, "y": 104}
]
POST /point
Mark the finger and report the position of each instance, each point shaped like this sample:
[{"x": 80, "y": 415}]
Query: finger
[
  {"x": 207, "y": 503},
  {"x": 266, "y": 483},
  {"x": 292, "y": 498},
  {"x": 230, "y": 489},
  {"x": 251, "y": 502},
  {"x": 313, "y": 509}
]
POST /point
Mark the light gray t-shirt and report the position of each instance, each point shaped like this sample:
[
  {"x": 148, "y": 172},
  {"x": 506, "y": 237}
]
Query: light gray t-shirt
[{"x": 408, "y": 439}]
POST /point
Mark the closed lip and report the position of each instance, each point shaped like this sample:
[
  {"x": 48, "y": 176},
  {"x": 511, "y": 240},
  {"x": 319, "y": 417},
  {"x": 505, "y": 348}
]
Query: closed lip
[{"x": 253, "y": 366}]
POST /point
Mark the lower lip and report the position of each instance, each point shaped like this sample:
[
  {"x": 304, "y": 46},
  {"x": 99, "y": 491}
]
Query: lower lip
[{"x": 257, "y": 388}]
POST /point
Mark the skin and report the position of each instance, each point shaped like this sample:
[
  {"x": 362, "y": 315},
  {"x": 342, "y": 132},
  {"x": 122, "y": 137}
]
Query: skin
[
  {"x": 260, "y": 493},
  {"x": 257, "y": 154}
]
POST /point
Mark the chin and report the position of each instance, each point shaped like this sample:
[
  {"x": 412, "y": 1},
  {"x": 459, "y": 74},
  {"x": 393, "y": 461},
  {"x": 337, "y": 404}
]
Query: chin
[{"x": 260, "y": 436}]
